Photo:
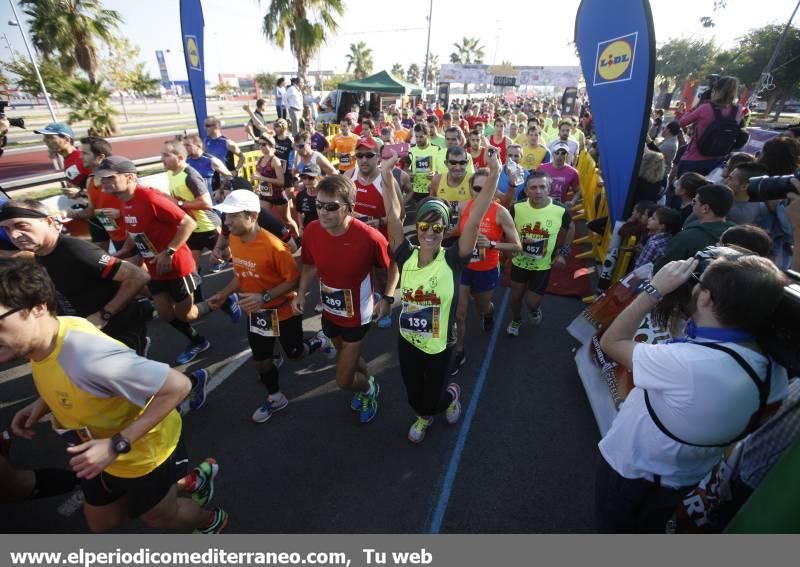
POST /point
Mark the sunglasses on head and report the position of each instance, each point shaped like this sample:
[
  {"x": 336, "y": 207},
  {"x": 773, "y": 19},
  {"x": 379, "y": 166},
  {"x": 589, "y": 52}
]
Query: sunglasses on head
[
  {"x": 457, "y": 162},
  {"x": 367, "y": 155},
  {"x": 437, "y": 227},
  {"x": 330, "y": 207}
]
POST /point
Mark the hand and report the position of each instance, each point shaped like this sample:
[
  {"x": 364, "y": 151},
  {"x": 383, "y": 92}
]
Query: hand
[
  {"x": 25, "y": 419},
  {"x": 163, "y": 263},
  {"x": 220, "y": 253},
  {"x": 299, "y": 303},
  {"x": 493, "y": 160},
  {"x": 91, "y": 458},
  {"x": 250, "y": 302},
  {"x": 388, "y": 163},
  {"x": 673, "y": 275},
  {"x": 483, "y": 242},
  {"x": 246, "y": 106},
  {"x": 97, "y": 320},
  {"x": 215, "y": 301},
  {"x": 382, "y": 309}
]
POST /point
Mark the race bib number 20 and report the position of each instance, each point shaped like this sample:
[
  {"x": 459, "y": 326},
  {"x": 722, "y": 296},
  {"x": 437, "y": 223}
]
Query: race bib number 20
[{"x": 265, "y": 323}]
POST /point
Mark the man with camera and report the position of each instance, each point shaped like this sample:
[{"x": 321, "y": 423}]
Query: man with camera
[{"x": 692, "y": 397}]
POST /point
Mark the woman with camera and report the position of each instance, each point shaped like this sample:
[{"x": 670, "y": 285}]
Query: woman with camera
[{"x": 701, "y": 156}]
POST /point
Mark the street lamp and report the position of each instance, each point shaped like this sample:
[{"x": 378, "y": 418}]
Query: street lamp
[{"x": 15, "y": 22}]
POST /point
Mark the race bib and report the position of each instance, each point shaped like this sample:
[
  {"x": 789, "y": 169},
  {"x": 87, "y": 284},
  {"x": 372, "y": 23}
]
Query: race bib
[
  {"x": 143, "y": 245},
  {"x": 421, "y": 320},
  {"x": 344, "y": 159},
  {"x": 265, "y": 190},
  {"x": 108, "y": 223},
  {"x": 476, "y": 255},
  {"x": 422, "y": 165},
  {"x": 535, "y": 250},
  {"x": 337, "y": 302},
  {"x": 265, "y": 323}
]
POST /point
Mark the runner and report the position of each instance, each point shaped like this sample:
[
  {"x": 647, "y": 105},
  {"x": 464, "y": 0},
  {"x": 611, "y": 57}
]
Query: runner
[
  {"x": 423, "y": 159},
  {"x": 306, "y": 155},
  {"x": 499, "y": 140},
  {"x": 428, "y": 308},
  {"x": 205, "y": 164},
  {"x": 157, "y": 232},
  {"x": 452, "y": 187},
  {"x": 539, "y": 221},
  {"x": 564, "y": 178},
  {"x": 454, "y": 138},
  {"x": 564, "y": 140},
  {"x": 271, "y": 176},
  {"x": 343, "y": 145},
  {"x": 512, "y": 177},
  {"x": 477, "y": 151},
  {"x": 221, "y": 147},
  {"x": 318, "y": 142},
  {"x": 59, "y": 139},
  {"x": 481, "y": 276},
  {"x": 342, "y": 251},
  {"x": 266, "y": 277},
  {"x": 534, "y": 153},
  {"x": 190, "y": 192},
  {"x": 305, "y": 201},
  {"x": 114, "y": 409}
]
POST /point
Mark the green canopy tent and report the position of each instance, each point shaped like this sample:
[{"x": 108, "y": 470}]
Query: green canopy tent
[{"x": 381, "y": 82}]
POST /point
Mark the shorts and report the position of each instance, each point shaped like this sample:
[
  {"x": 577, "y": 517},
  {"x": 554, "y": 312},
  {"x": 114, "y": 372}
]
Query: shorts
[
  {"x": 480, "y": 281},
  {"x": 178, "y": 289},
  {"x": 348, "y": 334},
  {"x": 96, "y": 231},
  {"x": 291, "y": 339},
  {"x": 145, "y": 492},
  {"x": 282, "y": 200},
  {"x": 199, "y": 241},
  {"x": 536, "y": 279}
]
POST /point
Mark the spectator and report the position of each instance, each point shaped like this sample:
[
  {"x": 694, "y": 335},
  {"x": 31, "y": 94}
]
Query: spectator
[
  {"x": 743, "y": 211},
  {"x": 748, "y": 237},
  {"x": 721, "y": 173},
  {"x": 685, "y": 189},
  {"x": 279, "y": 91},
  {"x": 669, "y": 145},
  {"x": 780, "y": 156},
  {"x": 651, "y": 175},
  {"x": 636, "y": 225},
  {"x": 658, "y": 121},
  {"x": 709, "y": 206},
  {"x": 662, "y": 225},
  {"x": 293, "y": 99}
]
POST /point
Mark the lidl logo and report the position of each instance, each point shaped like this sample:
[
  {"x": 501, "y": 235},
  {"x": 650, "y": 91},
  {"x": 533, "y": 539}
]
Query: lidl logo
[
  {"x": 615, "y": 59},
  {"x": 193, "y": 52}
]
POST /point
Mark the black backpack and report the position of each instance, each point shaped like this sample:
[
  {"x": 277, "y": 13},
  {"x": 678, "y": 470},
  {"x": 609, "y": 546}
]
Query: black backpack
[{"x": 722, "y": 135}]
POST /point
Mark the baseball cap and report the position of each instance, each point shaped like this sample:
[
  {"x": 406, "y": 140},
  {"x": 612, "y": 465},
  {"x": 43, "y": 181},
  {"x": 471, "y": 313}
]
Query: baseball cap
[
  {"x": 561, "y": 146},
  {"x": 238, "y": 201},
  {"x": 113, "y": 165},
  {"x": 310, "y": 169},
  {"x": 56, "y": 129},
  {"x": 367, "y": 143}
]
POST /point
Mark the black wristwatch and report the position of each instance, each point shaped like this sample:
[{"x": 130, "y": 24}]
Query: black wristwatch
[
  {"x": 388, "y": 298},
  {"x": 170, "y": 252},
  {"x": 106, "y": 315},
  {"x": 120, "y": 445},
  {"x": 266, "y": 297},
  {"x": 653, "y": 292}
]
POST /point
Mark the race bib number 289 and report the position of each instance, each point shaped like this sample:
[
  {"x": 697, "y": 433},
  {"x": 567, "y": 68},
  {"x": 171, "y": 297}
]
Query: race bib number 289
[{"x": 337, "y": 302}]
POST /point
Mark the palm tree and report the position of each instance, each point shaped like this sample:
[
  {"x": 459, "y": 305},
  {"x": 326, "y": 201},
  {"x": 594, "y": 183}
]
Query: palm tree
[
  {"x": 143, "y": 84},
  {"x": 360, "y": 59},
  {"x": 305, "y": 22},
  {"x": 91, "y": 101},
  {"x": 467, "y": 52},
  {"x": 67, "y": 30},
  {"x": 413, "y": 73},
  {"x": 397, "y": 70}
]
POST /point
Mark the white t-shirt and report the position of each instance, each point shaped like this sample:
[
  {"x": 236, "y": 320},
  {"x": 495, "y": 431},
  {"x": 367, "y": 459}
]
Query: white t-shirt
[
  {"x": 574, "y": 148},
  {"x": 700, "y": 394}
]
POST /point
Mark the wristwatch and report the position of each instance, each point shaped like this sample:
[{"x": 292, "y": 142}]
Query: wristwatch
[
  {"x": 492, "y": 244},
  {"x": 388, "y": 298},
  {"x": 170, "y": 252},
  {"x": 651, "y": 290},
  {"x": 180, "y": 204},
  {"x": 120, "y": 445},
  {"x": 106, "y": 315},
  {"x": 266, "y": 297}
]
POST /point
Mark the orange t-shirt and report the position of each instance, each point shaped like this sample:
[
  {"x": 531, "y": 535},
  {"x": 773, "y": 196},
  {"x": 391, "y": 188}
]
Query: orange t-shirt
[
  {"x": 402, "y": 136},
  {"x": 262, "y": 264},
  {"x": 344, "y": 147},
  {"x": 102, "y": 200}
]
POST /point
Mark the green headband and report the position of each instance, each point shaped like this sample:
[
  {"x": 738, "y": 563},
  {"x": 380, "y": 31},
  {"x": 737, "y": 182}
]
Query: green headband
[{"x": 437, "y": 206}]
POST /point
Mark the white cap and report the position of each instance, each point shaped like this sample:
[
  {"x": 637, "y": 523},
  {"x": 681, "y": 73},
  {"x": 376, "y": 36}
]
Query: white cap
[{"x": 238, "y": 201}]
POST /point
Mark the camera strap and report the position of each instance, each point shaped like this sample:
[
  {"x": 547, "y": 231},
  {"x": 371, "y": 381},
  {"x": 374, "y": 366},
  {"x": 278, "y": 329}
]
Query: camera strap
[{"x": 763, "y": 387}]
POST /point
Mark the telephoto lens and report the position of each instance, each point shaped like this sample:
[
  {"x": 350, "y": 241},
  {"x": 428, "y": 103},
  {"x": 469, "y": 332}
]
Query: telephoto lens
[{"x": 768, "y": 188}]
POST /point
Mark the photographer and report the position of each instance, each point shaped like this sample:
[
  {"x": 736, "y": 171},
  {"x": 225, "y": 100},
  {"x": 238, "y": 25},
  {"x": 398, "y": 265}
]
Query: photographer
[
  {"x": 691, "y": 397},
  {"x": 718, "y": 109}
]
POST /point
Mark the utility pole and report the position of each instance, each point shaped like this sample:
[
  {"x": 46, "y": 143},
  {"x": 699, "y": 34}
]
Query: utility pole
[{"x": 427, "y": 49}]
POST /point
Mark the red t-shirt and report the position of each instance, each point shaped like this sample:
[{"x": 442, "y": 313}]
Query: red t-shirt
[
  {"x": 345, "y": 264},
  {"x": 102, "y": 200},
  {"x": 491, "y": 229},
  {"x": 369, "y": 200},
  {"x": 480, "y": 161},
  {"x": 152, "y": 221},
  {"x": 74, "y": 170},
  {"x": 471, "y": 121}
]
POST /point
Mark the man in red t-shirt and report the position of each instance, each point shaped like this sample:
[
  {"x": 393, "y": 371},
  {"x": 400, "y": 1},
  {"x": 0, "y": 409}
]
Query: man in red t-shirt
[
  {"x": 343, "y": 251},
  {"x": 157, "y": 232},
  {"x": 59, "y": 139}
]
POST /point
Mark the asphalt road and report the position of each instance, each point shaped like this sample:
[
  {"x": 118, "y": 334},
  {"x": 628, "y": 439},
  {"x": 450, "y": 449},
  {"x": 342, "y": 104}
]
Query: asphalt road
[{"x": 521, "y": 460}]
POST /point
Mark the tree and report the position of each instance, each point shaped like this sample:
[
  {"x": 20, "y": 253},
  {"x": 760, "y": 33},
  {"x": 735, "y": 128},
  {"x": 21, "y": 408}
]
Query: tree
[
  {"x": 413, "y": 73},
  {"x": 360, "y": 59},
  {"x": 680, "y": 57},
  {"x": 223, "y": 89},
  {"x": 467, "y": 52},
  {"x": 53, "y": 76},
  {"x": 433, "y": 69},
  {"x": 266, "y": 81},
  {"x": 397, "y": 70},
  {"x": 305, "y": 22},
  {"x": 331, "y": 82},
  {"x": 708, "y": 21},
  {"x": 67, "y": 31},
  {"x": 143, "y": 84},
  {"x": 90, "y": 101}
]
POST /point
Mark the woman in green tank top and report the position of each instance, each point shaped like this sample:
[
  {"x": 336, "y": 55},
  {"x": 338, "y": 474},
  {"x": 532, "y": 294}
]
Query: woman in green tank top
[{"x": 429, "y": 277}]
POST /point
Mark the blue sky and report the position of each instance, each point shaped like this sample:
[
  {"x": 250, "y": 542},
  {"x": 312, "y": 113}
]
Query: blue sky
[{"x": 523, "y": 31}]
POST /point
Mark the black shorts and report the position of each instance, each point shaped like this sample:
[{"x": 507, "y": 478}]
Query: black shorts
[
  {"x": 536, "y": 279},
  {"x": 145, "y": 492},
  {"x": 200, "y": 241},
  {"x": 348, "y": 334},
  {"x": 178, "y": 289},
  {"x": 291, "y": 339},
  {"x": 96, "y": 231}
]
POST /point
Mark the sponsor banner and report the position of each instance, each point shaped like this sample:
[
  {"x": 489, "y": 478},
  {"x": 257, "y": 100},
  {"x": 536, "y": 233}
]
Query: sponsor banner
[
  {"x": 192, "y": 24},
  {"x": 162, "y": 66},
  {"x": 559, "y": 77}
]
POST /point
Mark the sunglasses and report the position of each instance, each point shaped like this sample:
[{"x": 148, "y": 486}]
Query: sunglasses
[
  {"x": 300, "y": 146},
  {"x": 368, "y": 155},
  {"x": 561, "y": 153},
  {"x": 457, "y": 162},
  {"x": 330, "y": 207},
  {"x": 437, "y": 227},
  {"x": 9, "y": 313}
]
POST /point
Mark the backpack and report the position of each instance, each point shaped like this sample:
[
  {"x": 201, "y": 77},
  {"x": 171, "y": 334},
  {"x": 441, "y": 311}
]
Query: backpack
[{"x": 722, "y": 135}]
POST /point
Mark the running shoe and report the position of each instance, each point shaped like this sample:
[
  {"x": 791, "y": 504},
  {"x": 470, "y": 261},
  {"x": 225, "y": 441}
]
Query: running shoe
[
  {"x": 369, "y": 403},
  {"x": 513, "y": 327},
  {"x": 535, "y": 316},
  {"x": 205, "y": 473},
  {"x": 327, "y": 345},
  {"x": 218, "y": 522},
  {"x": 197, "y": 397},
  {"x": 192, "y": 351},
  {"x": 319, "y": 308},
  {"x": 453, "y": 412},
  {"x": 269, "y": 407},
  {"x": 231, "y": 307},
  {"x": 459, "y": 359},
  {"x": 488, "y": 321},
  {"x": 356, "y": 402},
  {"x": 216, "y": 267},
  {"x": 416, "y": 433}
]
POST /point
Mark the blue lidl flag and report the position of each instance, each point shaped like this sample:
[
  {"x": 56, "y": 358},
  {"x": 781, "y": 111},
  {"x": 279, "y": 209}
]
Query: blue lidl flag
[
  {"x": 616, "y": 42},
  {"x": 192, "y": 35}
]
